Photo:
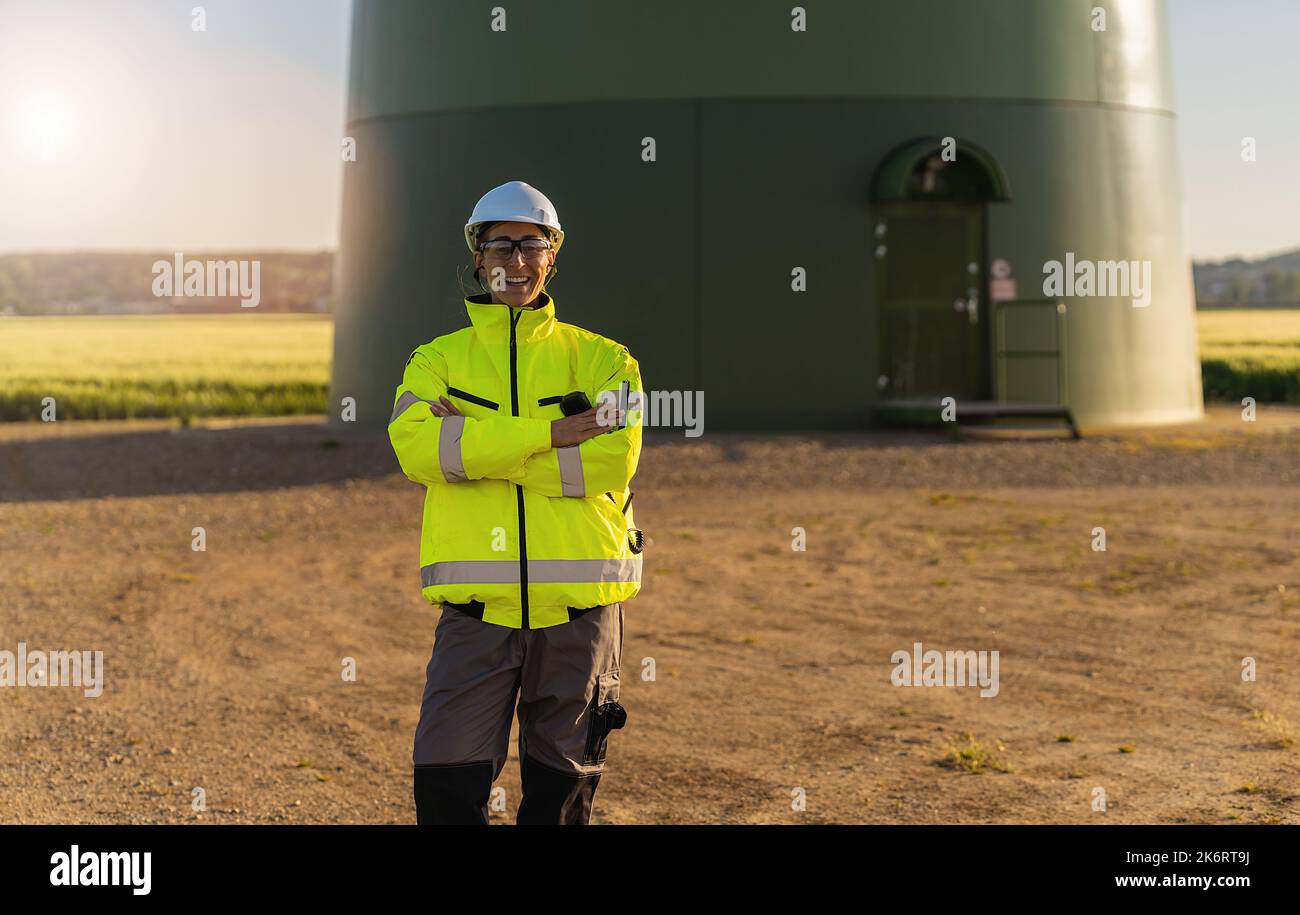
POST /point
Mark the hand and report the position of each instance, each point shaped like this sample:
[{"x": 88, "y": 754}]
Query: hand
[
  {"x": 444, "y": 407},
  {"x": 575, "y": 429}
]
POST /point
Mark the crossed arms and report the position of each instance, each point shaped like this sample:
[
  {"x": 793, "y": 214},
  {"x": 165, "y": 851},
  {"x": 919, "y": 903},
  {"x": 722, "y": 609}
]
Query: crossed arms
[{"x": 577, "y": 456}]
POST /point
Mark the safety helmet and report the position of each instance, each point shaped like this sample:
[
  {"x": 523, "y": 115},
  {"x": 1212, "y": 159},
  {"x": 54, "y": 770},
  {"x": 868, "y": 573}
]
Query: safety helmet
[{"x": 514, "y": 201}]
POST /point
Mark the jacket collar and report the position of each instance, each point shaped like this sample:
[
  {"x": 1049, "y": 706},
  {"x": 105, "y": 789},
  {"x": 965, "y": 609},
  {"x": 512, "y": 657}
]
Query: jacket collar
[{"x": 492, "y": 321}]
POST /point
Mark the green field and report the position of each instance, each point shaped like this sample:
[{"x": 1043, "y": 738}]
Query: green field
[
  {"x": 112, "y": 367},
  {"x": 276, "y": 364},
  {"x": 1250, "y": 354}
]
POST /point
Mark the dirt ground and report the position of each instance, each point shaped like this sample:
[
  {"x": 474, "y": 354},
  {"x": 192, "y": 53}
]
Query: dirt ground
[{"x": 1119, "y": 670}]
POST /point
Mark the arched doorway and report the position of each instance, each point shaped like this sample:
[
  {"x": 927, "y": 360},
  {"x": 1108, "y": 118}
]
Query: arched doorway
[{"x": 929, "y": 199}]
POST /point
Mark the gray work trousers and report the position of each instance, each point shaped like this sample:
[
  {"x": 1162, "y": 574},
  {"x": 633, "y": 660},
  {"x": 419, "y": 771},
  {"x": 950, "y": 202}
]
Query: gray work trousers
[{"x": 566, "y": 680}]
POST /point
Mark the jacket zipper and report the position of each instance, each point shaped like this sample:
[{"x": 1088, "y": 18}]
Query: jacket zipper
[{"x": 519, "y": 490}]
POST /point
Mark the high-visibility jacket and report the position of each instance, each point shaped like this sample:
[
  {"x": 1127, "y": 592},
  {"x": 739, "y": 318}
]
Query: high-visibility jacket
[{"x": 525, "y": 529}]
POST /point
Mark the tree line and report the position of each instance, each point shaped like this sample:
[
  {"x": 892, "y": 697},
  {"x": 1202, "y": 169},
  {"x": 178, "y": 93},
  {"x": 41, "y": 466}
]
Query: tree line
[{"x": 118, "y": 282}]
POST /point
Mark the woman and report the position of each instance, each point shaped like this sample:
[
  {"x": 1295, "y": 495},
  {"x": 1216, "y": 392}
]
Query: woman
[{"x": 528, "y": 542}]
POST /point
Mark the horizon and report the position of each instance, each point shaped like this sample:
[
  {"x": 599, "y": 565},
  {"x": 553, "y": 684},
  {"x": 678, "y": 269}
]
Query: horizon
[{"x": 72, "y": 252}]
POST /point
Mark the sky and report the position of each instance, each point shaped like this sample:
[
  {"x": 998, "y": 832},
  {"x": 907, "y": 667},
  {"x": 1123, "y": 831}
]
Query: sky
[
  {"x": 1237, "y": 74},
  {"x": 121, "y": 127}
]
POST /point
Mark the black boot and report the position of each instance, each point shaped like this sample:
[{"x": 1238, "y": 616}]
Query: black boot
[
  {"x": 554, "y": 798},
  {"x": 453, "y": 795}
]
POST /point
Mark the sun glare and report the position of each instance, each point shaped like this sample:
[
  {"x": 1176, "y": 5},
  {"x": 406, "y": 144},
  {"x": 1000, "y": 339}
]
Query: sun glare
[{"x": 45, "y": 123}]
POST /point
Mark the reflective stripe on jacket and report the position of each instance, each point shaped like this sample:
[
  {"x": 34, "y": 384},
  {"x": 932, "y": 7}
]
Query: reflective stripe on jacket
[{"x": 527, "y": 529}]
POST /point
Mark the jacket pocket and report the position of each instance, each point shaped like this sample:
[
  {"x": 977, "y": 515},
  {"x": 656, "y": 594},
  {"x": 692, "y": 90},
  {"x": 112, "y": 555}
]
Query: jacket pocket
[
  {"x": 472, "y": 398},
  {"x": 605, "y": 715},
  {"x": 635, "y": 536}
]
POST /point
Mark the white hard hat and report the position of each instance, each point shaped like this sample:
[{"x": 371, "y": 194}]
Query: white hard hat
[{"x": 515, "y": 201}]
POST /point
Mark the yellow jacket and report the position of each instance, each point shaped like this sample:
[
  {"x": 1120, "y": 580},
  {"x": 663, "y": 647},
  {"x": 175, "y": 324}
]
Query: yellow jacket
[{"x": 525, "y": 529}]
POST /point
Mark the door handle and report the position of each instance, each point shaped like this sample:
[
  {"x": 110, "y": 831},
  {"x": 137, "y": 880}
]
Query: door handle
[{"x": 973, "y": 305}]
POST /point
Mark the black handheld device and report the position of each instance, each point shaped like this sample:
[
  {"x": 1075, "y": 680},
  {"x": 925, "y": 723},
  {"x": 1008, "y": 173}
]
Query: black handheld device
[{"x": 575, "y": 402}]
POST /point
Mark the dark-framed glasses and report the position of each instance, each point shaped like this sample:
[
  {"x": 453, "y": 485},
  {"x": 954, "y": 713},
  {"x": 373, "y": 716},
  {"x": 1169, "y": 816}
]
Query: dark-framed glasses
[{"x": 503, "y": 249}]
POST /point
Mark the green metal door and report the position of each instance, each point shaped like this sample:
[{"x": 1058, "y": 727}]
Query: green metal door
[{"x": 930, "y": 294}]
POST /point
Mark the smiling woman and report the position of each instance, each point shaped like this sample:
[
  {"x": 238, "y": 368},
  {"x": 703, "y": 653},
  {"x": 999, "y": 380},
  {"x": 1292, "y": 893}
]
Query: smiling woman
[{"x": 515, "y": 236}]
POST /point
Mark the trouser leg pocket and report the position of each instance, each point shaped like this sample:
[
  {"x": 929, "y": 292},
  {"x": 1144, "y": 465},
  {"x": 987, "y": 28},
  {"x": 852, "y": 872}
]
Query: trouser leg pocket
[{"x": 605, "y": 715}]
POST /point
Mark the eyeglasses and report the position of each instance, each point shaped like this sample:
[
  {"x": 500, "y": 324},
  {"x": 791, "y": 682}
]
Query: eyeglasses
[{"x": 503, "y": 249}]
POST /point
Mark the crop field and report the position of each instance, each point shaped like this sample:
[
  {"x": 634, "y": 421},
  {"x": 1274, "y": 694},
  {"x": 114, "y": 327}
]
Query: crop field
[
  {"x": 1250, "y": 354},
  {"x": 142, "y": 366},
  {"x": 128, "y": 366}
]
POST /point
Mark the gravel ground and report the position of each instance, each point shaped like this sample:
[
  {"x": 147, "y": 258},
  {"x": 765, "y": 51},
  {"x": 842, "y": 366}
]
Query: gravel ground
[{"x": 771, "y": 666}]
